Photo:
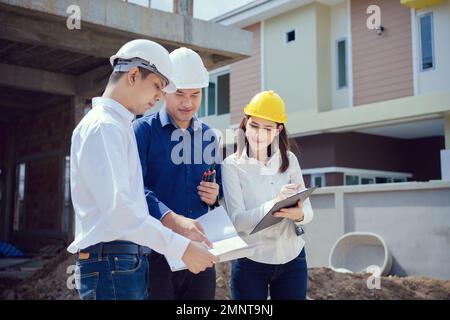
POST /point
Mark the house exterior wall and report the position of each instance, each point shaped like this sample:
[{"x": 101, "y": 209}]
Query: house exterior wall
[
  {"x": 291, "y": 68},
  {"x": 382, "y": 64},
  {"x": 383, "y": 209},
  {"x": 436, "y": 79},
  {"x": 245, "y": 77}
]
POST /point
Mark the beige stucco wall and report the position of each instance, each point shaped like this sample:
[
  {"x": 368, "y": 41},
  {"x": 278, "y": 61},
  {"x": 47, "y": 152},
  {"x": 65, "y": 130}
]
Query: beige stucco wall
[{"x": 291, "y": 68}]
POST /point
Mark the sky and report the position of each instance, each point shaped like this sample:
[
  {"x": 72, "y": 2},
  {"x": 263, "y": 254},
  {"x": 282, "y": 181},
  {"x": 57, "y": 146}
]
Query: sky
[{"x": 203, "y": 9}]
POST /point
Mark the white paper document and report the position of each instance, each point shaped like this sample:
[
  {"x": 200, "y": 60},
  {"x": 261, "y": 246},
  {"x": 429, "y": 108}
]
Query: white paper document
[{"x": 227, "y": 245}]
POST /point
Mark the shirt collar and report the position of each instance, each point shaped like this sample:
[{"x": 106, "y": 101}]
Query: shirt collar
[
  {"x": 114, "y": 105},
  {"x": 274, "y": 161},
  {"x": 166, "y": 119}
]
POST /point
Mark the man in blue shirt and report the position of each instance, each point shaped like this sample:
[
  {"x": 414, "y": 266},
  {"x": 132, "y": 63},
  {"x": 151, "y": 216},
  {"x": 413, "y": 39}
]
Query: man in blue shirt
[{"x": 175, "y": 150}]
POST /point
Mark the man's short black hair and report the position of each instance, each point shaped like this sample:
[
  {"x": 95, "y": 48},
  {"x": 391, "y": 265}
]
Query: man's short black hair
[{"x": 116, "y": 75}]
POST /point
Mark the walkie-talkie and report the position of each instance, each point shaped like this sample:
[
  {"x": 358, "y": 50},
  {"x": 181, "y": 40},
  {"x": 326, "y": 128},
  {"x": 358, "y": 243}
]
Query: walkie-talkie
[
  {"x": 210, "y": 174},
  {"x": 298, "y": 230}
]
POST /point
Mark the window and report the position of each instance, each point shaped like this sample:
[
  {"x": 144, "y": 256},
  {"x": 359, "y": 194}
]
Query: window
[
  {"x": 426, "y": 42},
  {"x": 351, "y": 180},
  {"x": 367, "y": 180},
  {"x": 342, "y": 63},
  {"x": 382, "y": 180},
  {"x": 318, "y": 180},
  {"x": 19, "y": 196},
  {"x": 216, "y": 98},
  {"x": 223, "y": 94},
  {"x": 67, "y": 201},
  {"x": 212, "y": 98},
  {"x": 290, "y": 36},
  {"x": 86, "y": 110}
]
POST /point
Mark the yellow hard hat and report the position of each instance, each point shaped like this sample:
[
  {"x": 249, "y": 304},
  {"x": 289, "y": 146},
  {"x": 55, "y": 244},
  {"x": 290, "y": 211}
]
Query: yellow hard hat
[{"x": 267, "y": 105}]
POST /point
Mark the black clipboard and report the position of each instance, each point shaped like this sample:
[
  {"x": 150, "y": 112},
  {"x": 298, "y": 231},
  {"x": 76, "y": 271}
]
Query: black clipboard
[{"x": 269, "y": 220}]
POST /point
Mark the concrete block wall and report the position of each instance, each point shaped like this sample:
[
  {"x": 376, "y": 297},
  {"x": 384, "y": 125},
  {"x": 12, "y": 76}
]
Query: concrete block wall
[{"x": 413, "y": 218}]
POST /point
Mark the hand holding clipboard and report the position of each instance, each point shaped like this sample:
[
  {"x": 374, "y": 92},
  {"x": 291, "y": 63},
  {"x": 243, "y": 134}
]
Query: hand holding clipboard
[{"x": 269, "y": 220}]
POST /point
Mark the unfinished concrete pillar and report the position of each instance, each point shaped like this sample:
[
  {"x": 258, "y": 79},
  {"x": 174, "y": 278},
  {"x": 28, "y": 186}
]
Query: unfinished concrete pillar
[
  {"x": 9, "y": 169},
  {"x": 447, "y": 130},
  {"x": 183, "y": 7},
  {"x": 445, "y": 154}
]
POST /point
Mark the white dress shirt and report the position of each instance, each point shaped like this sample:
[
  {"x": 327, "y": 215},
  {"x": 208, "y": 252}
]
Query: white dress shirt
[
  {"x": 107, "y": 185},
  {"x": 250, "y": 188}
]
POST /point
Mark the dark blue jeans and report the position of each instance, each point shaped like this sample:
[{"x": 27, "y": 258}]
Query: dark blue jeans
[
  {"x": 180, "y": 285},
  {"x": 252, "y": 280},
  {"x": 112, "y": 277}
]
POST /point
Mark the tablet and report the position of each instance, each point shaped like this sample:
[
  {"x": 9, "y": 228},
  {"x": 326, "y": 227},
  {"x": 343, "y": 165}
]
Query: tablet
[{"x": 269, "y": 220}]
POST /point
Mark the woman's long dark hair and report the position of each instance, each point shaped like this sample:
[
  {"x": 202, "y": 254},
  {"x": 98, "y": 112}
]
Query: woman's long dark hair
[{"x": 284, "y": 144}]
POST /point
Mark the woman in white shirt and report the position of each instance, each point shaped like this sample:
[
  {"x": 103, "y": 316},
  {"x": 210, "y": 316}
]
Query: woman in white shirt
[{"x": 262, "y": 172}]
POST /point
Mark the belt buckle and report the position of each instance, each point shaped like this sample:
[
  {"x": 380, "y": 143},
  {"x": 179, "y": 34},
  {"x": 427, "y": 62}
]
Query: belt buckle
[{"x": 83, "y": 255}]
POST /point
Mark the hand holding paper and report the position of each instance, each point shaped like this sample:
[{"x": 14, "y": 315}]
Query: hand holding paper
[
  {"x": 227, "y": 245},
  {"x": 197, "y": 258}
]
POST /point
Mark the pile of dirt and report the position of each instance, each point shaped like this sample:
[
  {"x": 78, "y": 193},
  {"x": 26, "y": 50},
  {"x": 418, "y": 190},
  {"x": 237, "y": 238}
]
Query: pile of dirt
[
  {"x": 323, "y": 283},
  {"x": 48, "y": 283}
]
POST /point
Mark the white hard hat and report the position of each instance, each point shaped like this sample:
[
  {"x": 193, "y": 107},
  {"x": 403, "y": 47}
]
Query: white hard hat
[
  {"x": 146, "y": 54},
  {"x": 188, "y": 71}
]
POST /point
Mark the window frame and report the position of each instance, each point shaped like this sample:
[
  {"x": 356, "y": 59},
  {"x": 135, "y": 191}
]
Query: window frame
[
  {"x": 352, "y": 175},
  {"x": 338, "y": 40},
  {"x": 19, "y": 204},
  {"x": 389, "y": 179},
  {"x": 286, "y": 36},
  {"x": 213, "y": 77},
  {"x": 67, "y": 208},
  {"x": 318, "y": 175},
  {"x": 368, "y": 178},
  {"x": 433, "y": 57}
]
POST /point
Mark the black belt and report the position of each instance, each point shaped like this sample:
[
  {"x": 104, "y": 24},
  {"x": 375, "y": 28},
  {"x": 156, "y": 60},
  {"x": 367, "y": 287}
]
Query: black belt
[{"x": 117, "y": 247}]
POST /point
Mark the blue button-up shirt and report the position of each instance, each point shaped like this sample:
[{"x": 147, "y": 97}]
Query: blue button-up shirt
[{"x": 173, "y": 162}]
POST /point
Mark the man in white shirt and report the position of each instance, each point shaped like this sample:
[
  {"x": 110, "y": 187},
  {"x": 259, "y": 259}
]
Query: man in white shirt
[{"x": 113, "y": 228}]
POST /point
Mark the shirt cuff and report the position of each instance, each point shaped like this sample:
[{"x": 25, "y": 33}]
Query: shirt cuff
[
  {"x": 157, "y": 209},
  {"x": 164, "y": 214},
  {"x": 307, "y": 217},
  {"x": 177, "y": 246}
]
